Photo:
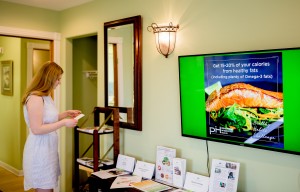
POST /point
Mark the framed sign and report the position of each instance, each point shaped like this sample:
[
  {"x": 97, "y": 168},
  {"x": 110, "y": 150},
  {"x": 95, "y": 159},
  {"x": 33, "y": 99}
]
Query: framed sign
[{"x": 7, "y": 77}]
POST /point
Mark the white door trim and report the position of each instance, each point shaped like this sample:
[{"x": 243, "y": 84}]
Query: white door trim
[{"x": 54, "y": 36}]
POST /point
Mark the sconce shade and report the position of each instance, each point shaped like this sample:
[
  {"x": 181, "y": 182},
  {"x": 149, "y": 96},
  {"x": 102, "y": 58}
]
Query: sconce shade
[{"x": 165, "y": 38}]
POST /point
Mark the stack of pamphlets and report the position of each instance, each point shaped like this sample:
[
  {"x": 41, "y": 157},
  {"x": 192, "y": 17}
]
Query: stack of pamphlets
[
  {"x": 125, "y": 181},
  {"x": 88, "y": 162},
  {"x": 150, "y": 186},
  {"x": 107, "y": 162},
  {"x": 105, "y": 174},
  {"x": 124, "y": 166},
  {"x": 104, "y": 129}
]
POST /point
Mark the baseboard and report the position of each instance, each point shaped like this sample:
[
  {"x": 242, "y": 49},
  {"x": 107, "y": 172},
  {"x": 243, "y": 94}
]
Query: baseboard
[{"x": 11, "y": 169}]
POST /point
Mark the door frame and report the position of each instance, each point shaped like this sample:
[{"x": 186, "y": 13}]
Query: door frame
[
  {"x": 44, "y": 35},
  {"x": 30, "y": 48},
  {"x": 28, "y": 33}
]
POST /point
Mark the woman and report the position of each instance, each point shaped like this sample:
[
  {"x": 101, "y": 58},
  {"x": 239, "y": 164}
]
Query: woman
[{"x": 40, "y": 157}]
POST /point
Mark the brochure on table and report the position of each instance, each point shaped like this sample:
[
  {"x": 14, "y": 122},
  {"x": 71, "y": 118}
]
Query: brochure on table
[
  {"x": 181, "y": 190},
  {"x": 88, "y": 162},
  {"x": 150, "y": 186},
  {"x": 179, "y": 171},
  {"x": 196, "y": 183},
  {"x": 125, "y": 166},
  {"x": 104, "y": 129},
  {"x": 125, "y": 181},
  {"x": 105, "y": 174},
  {"x": 125, "y": 162},
  {"x": 224, "y": 176},
  {"x": 144, "y": 169},
  {"x": 164, "y": 164}
]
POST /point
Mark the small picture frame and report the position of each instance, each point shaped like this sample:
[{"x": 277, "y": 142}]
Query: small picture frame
[{"x": 7, "y": 77}]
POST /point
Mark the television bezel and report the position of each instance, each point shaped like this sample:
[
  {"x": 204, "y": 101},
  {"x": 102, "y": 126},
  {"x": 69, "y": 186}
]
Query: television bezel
[{"x": 236, "y": 143}]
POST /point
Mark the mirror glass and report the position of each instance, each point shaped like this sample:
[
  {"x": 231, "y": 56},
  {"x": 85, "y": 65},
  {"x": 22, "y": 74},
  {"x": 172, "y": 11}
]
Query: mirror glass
[{"x": 122, "y": 40}]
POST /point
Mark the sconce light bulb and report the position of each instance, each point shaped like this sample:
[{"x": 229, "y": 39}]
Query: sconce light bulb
[{"x": 165, "y": 38}]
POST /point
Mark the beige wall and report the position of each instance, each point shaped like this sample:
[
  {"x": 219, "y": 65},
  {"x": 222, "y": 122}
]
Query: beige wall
[{"x": 205, "y": 27}]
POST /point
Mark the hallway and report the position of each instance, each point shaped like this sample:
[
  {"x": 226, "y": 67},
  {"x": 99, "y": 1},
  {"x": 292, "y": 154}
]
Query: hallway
[{"x": 9, "y": 182}]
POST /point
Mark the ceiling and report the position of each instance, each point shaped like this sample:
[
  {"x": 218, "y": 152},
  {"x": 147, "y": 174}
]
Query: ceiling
[{"x": 56, "y": 5}]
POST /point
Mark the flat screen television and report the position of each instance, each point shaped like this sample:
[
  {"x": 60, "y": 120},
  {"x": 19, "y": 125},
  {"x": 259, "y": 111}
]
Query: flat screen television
[{"x": 249, "y": 98}]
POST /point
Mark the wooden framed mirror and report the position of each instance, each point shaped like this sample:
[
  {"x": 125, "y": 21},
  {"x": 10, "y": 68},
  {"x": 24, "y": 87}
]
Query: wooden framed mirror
[{"x": 123, "y": 69}]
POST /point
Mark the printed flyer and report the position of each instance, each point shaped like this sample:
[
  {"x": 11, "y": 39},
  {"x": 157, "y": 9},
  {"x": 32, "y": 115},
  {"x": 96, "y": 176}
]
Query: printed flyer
[
  {"x": 164, "y": 164},
  {"x": 224, "y": 176},
  {"x": 244, "y": 98},
  {"x": 150, "y": 186}
]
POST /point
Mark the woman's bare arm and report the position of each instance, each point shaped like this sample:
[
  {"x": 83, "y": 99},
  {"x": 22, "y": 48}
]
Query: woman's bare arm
[{"x": 35, "y": 107}]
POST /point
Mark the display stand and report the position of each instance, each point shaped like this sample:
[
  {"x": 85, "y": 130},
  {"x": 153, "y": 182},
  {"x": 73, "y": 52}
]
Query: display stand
[{"x": 112, "y": 113}]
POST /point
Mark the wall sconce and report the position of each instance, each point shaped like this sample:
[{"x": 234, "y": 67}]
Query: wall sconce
[{"x": 165, "y": 37}]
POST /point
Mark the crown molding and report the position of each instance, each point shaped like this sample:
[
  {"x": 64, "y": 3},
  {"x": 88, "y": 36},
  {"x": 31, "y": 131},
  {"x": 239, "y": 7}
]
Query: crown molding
[{"x": 19, "y": 32}]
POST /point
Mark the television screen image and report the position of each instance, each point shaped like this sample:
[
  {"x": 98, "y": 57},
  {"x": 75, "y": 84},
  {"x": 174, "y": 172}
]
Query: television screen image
[{"x": 246, "y": 98}]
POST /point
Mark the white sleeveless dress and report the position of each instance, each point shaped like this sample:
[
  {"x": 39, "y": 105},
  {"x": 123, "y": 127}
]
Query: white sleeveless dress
[{"x": 40, "y": 157}]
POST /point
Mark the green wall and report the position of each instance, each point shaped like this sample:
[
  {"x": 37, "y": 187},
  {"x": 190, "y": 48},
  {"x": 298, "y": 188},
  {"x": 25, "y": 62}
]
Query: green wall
[
  {"x": 85, "y": 89},
  {"x": 10, "y": 118},
  {"x": 27, "y": 17},
  {"x": 13, "y": 129}
]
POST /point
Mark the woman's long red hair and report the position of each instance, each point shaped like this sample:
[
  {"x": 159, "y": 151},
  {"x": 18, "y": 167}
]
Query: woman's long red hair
[{"x": 44, "y": 80}]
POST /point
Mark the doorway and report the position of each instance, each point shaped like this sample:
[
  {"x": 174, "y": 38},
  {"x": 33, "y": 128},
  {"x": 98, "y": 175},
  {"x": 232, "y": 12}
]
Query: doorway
[
  {"x": 13, "y": 132},
  {"x": 85, "y": 76},
  {"x": 37, "y": 55}
]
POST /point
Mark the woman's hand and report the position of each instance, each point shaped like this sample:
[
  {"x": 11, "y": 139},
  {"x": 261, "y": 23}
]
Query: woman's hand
[
  {"x": 35, "y": 109},
  {"x": 73, "y": 113},
  {"x": 70, "y": 122},
  {"x": 69, "y": 113}
]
